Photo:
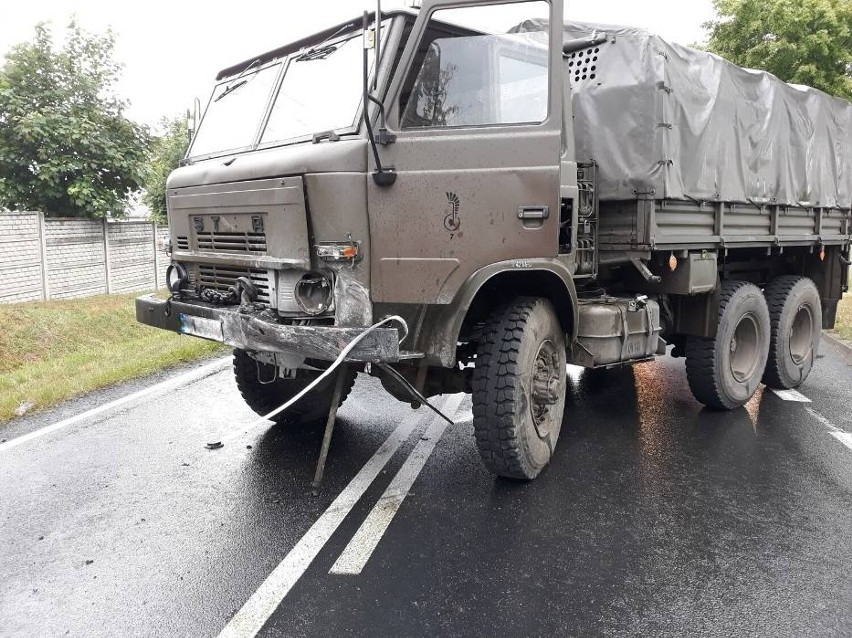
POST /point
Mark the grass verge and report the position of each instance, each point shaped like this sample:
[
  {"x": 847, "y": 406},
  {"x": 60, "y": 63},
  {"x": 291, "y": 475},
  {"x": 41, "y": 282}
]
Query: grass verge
[
  {"x": 843, "y": 328},
  {"x": 55, "y": 350}
]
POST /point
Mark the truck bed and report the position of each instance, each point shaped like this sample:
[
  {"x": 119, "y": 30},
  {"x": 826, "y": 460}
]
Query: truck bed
[{"x": 646, "y": 223}]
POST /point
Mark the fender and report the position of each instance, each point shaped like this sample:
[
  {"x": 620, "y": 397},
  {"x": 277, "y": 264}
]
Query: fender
[{"x": 540, "y": 277}]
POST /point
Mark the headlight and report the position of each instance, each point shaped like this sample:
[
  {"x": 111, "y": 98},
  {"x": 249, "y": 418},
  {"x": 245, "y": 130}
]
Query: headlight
[{"x": 314, "y": 293}]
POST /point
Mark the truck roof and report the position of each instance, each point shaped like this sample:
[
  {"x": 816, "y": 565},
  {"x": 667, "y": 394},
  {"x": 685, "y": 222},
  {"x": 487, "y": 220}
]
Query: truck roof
[{"x": 292, "y": 47}]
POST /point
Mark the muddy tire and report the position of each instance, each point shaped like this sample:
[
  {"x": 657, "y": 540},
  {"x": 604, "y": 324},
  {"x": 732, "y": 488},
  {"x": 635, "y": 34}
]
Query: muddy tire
[
  {"x": 725, "y": 371},
  {"x": 795, "y": 316},
  {"x": 519, "y": 388},
  {"x": 264, "y": 397}
]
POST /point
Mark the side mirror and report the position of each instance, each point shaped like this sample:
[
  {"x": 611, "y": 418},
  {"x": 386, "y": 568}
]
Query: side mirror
[{"x": 382, "y": 176}]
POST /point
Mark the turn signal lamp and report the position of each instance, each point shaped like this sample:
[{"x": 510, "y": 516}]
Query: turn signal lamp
[{"x": 335, "y": 251}]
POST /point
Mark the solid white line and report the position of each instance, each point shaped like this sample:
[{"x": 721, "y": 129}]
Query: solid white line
[
  {"x": 361, "y": 547},
  {"x": 188, "y": 377},
  {"x": 791, "y": 395},
  {"x": 249, "y": 620}
]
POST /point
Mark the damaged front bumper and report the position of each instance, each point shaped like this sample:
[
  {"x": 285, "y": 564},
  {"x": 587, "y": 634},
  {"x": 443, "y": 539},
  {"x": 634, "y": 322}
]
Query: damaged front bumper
[{"x": 255, "y": 330}]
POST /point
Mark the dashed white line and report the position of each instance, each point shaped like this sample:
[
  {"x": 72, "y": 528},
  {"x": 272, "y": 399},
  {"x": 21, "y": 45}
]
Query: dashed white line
[
  {"x": 249, "y": 620},
  {"x": 841, "y": 435},
  {"x": 360, "y": 548},
  {"x": 822, "y": 420},
  {"x": 188, "y": 377},
  {"x": 791, "y": 395},
  {"x": 844, "y": 437}
]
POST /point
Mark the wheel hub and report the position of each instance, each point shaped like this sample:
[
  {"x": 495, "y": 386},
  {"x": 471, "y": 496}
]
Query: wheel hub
[
  {"x": 801, "y": 335},
  {"x": 744, "y": 349},
  {"x": 545, "y": 385}
]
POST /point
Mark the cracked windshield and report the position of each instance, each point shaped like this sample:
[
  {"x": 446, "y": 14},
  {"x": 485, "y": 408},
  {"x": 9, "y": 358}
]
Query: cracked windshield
[{"x": 320, "y": 91}]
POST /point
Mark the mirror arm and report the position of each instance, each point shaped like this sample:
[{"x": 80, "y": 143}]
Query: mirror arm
[{"x": 381, "y": 176}]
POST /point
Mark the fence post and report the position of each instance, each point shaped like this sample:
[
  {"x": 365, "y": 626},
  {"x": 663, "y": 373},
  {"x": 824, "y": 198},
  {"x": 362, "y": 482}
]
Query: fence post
[
  {"x": 156, "y": 258},
  {"x": 106, "y": 257},
  {"x": 42, "y": 239}
]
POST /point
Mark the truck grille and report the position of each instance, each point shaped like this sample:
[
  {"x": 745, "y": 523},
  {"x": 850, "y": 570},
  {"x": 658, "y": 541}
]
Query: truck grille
[
  {"x": 233, "y": 242},
  {"x": 222, "y": 277}
]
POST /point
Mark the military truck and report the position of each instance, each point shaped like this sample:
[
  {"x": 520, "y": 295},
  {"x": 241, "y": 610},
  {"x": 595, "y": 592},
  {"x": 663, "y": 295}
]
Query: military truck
[{"x": 456, "y": 202}]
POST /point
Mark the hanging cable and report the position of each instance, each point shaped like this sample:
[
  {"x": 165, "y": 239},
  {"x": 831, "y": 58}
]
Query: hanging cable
[{"x": 340, "y": 359}]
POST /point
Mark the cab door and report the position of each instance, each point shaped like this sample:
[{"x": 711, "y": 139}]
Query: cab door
[{"x": 477, "y": 119}]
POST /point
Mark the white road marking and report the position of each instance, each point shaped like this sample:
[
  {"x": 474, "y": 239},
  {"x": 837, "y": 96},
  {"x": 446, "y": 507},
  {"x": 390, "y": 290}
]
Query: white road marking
[
  {"x": 791, "y": 395},
  {"x": 823, "y": 420},
  {"x": 844, "y": 437},
  {"x": 249, "y": 620},
  {"x": 360, "y": 548},
  {"x": 188, "y": 377},
  {"x": 465, "y": 416},
  {"x": 841, "y": 435}
]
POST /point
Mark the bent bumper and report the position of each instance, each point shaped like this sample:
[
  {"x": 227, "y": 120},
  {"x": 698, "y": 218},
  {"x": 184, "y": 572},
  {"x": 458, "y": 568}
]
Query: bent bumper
[{"x": 249, "y": 330}]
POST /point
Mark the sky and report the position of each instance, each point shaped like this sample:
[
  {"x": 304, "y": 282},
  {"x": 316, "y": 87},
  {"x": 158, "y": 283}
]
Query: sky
[{"x": 171, "y": 51}]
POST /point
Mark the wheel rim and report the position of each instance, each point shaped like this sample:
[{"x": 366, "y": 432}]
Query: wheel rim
[
  {"x": 544, "y": 393},
  {"x": 744, "y": 349},
  {"x": 801, "y": 335}
]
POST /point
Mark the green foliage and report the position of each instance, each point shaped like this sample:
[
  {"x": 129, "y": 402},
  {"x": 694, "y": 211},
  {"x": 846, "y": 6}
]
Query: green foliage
[
  {"x": 167, "y": 150},
  {"x": 66, "y": 147},
  {"x": 800, "y": 41}
]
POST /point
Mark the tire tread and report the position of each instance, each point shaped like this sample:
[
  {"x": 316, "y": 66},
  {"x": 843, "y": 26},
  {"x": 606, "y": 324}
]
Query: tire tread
[{"x": 495, "y": 379}]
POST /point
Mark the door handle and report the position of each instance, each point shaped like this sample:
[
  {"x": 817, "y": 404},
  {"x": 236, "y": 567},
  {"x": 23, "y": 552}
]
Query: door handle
[{"x": 533, "y": 212}]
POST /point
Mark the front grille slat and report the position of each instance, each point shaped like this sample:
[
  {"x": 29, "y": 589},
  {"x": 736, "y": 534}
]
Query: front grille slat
[{"x": 231, "y": 242}]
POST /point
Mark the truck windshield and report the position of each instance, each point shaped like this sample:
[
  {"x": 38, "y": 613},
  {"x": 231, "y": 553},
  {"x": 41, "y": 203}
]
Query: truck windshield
[
  {"x": 320, "y": 91},
  {"x": 317, "y": 94},
  {"x": 234, "y": 112}
]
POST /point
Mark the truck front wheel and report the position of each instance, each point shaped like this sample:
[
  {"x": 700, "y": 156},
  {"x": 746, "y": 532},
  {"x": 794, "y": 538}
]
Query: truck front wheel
[
  {"x": 724, "y": 371},
  {"x": 796, "y": 318},
  {"x": 519, "y": 388},
  {"x": 263, "y": 390}
]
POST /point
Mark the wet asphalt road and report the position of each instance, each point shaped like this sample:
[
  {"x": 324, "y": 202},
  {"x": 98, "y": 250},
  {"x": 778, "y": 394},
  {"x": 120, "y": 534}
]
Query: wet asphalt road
[{"x": 655, "y": 518}]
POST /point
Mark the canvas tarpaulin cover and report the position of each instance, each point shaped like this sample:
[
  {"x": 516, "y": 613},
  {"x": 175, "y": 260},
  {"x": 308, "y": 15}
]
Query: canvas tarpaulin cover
[{"x": 688, "y": 124}]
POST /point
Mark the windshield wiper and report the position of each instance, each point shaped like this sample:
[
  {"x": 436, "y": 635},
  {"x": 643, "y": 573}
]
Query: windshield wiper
[
  {"x": 322, "y": 50},
  {"x": 317, "y": 53},
  {"x": 238, "y": 81},
  {"x": 230, "y": 89}
]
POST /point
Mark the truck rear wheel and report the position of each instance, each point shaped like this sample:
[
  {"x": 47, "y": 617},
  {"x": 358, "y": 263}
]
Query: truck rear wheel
[
  {"x": 724, "y": 371},
  {"x": 519, "y": 388},
  {"x": 795, "y": 315},
  {"x": 263, "y": 391}
]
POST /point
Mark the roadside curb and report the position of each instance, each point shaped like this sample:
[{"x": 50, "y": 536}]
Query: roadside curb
[{"x": 845, "y": 348}]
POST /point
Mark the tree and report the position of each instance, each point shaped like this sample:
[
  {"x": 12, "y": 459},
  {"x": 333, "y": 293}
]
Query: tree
[
  {"x": 800, "y": 41},
  {"x": 167, "y": 150},
  {"x": 66, "y": 147}
]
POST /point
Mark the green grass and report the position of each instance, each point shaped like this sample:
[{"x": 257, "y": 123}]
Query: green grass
[
  {"x": 55, "y": 350},
  {"x": 843, "y": 328}
]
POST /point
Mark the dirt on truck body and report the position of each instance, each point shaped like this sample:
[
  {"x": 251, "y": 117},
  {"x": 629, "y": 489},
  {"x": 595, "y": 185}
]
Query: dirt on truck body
[{"x": 473, "y": 196}]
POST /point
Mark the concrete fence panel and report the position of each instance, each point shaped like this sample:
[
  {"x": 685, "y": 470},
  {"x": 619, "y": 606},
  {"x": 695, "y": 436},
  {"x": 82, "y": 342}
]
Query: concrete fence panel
[
  {"x": 62, "y": 258},
  {"x": 76, "y": 259},
  {"x": 131, "y": 257},
  {"x": 21, "y": 258}
]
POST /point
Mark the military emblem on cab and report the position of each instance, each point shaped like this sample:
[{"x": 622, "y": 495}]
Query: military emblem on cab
[{"x": 451, "y": 213}]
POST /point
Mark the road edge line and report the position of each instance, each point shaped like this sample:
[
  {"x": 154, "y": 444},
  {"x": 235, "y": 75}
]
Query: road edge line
[{"x": 187, "y": 377}]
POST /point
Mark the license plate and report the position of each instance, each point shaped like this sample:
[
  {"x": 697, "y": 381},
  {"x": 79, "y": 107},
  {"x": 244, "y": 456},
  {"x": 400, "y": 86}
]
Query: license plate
[{"x": 201, "y": 327}]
